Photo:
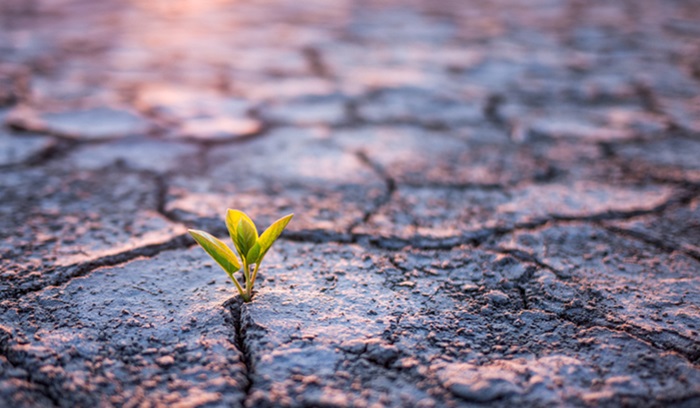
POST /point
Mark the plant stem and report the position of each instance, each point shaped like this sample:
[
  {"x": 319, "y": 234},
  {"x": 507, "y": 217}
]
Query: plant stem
[
  {"x": 238, "y": 285},
  {"x": 246, "y": 271},
  {"x": 255, "y": 275},
  {"x": 251, "y": 282},
  {"x": 246, "y": 274}
]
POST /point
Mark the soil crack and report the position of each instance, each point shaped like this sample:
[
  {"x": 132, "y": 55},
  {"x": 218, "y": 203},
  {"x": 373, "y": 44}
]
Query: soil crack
[
  {"x": 390, "y": 185},
  {"x": 691, "y": 354},
  {"x": 662, "y": 244},
  {"x": 66, "y": 273},
  {"x": 235, "y": 307}
]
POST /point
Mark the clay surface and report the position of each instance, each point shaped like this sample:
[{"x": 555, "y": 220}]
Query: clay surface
[{"x": 497, "y": 203}]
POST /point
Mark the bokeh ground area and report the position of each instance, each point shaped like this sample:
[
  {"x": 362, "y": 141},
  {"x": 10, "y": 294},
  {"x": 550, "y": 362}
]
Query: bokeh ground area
[{"x": 497, "y": 202}]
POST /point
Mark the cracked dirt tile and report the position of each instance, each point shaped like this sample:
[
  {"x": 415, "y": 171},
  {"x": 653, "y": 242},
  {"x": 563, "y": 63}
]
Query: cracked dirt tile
[
  {"x": 274, "y": 61},
  {"x": 350, "y": 61},
  {"x": 55, "y": 219},
  {"x": 397, "y": 25},
  {"x": 219, "y": 128},
  {"x": 588, "y": 130},
  {"x": 416, "y": 105},
  {"x": 415, "y": 156},
  {"x": 78, "y": 85},
  {"x": 674, "y": 158},
  {"x": 150, "y": 332},
  {"x": 83, "y": 124},
  {"x": 326, "y": 110},
  {"x": 494, "y": 74},
  {"x": 137, "y": 155},
  {"x": 564, "y": 116},
  {"x": 674, "y": 85},
  {"x": 683, "y": 112},
  {"x": 289, "y": 170},
  {"x": 262, "y": 88},
  {"x": 616, "y": 282},
  {"x": 449, "y": 213},
  {"x": 20, "y": 148},
  {"x": 359, "y": 70},
  {"x": 13, "y": 79},
  {"x": 677, "y": 228},
  {"x": 198, "y": 114},
  {"x": 599, "y": 86}
]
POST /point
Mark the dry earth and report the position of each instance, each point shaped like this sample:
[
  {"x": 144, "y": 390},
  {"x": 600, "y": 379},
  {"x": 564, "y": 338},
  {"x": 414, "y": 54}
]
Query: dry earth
[{"x": 496, "y": 202}]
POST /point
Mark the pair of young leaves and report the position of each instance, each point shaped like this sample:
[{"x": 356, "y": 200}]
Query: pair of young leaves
[{"x": 251, "y": 247}]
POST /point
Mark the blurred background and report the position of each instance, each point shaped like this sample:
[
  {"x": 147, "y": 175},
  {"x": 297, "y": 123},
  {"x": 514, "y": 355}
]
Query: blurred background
[{"x": 124, "y": 122}]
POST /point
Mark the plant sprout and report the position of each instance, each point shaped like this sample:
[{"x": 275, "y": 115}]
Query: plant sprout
[{"x": 251, "y": 247}]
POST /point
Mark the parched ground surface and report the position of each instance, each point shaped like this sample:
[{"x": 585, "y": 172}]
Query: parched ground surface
[{"x": 496, "y": 202}]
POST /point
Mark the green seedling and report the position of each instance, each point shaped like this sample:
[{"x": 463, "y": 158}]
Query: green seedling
[{"x": 251, "y": 247}]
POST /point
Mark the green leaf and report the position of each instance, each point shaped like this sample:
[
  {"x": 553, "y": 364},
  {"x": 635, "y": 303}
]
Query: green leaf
[
  {"x": 221, "y": 253},
  {"x": 271, "y": 234},
  {"x": 246, "y": 236},
  {"x": 253, "y": 254},
  {"x": 233, "y": 217}
]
